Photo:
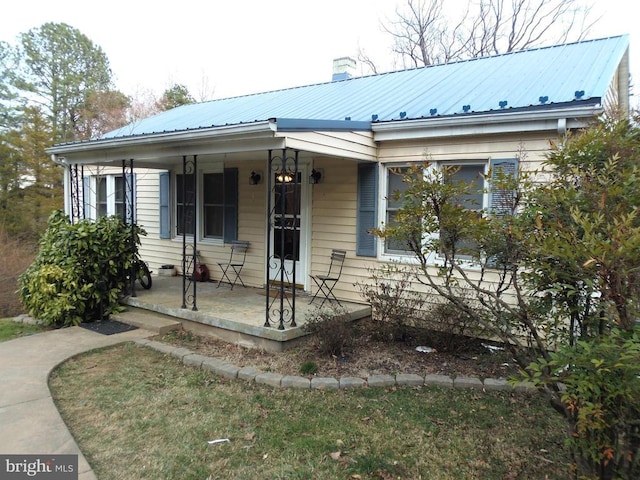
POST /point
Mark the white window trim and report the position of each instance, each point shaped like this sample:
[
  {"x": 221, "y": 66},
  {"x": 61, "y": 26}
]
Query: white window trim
[
  {"x": 199, "y": 208},
  {"x": 201, "y": 236},
  {"x": 433, "y": 259},
  {"x": 111, "y": 194}
]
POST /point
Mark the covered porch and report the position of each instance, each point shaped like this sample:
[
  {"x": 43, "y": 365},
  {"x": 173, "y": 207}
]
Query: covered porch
[
  {"x": 285, "y": 187},
  {"x": 235, "y": 315}
]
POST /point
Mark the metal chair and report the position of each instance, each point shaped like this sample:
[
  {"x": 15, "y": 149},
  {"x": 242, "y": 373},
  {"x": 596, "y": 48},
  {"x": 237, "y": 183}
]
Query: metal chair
[
  {"x": 327, "y": 282},
  {"x": 233, "y": 267}
]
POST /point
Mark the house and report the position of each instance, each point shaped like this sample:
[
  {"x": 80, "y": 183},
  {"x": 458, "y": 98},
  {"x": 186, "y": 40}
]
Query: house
[{"x": 301, "y": 171}]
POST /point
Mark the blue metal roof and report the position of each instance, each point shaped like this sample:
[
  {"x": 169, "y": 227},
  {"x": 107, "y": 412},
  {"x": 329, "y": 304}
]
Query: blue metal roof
[{"x": 575, "y": 72}]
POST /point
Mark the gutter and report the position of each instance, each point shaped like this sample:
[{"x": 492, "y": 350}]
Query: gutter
[
  {"x": 557, "y": 119},
  {"x": 262, "y": 129}
]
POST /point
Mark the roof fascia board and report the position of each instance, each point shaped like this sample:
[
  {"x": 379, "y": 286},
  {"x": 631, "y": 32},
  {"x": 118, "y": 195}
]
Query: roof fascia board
[
  {"x": 483, "y": 124},
  {"x": 263, "y": 129}
]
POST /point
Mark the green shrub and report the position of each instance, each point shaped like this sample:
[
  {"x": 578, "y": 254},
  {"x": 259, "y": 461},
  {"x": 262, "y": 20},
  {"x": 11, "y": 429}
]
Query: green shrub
[
  {"x": 600, "y": 392},
  {"x": 78, "y": 272}
]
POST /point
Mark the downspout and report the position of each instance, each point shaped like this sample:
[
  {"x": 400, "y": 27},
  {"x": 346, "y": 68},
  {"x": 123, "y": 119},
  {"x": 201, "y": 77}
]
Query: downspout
[
  {"x": 66, "y": 182},
  {"x": 562, "y": 129}
]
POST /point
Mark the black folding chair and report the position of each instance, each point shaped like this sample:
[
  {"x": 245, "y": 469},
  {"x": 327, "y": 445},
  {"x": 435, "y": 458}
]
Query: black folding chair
[
  {"x": 326, "y": 282},
  {"x": 231, "y": 269}
]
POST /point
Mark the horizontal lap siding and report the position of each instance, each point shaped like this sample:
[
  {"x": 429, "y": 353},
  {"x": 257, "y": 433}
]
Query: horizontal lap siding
[
  {"x": 251, "y": 226},
  {"x": 333, "y": 208},
  {"x": 533, "y": 147},
  {"x": 334, "y": 225}
]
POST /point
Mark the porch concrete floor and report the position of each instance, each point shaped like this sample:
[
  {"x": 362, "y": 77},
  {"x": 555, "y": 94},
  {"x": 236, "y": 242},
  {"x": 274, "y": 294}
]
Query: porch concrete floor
[{"x": 236, "y": 315}]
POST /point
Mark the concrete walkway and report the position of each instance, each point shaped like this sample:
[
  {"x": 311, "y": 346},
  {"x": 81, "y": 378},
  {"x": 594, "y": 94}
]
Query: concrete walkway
[{"x": 29, "y": 420}]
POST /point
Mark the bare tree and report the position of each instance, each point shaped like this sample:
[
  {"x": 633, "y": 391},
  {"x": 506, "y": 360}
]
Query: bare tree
[{"x": 424, "y": 32}]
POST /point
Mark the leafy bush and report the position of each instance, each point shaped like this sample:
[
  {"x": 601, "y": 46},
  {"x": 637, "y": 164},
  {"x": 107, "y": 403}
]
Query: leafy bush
[
  {"x": 78, "y": 273},
  {"x": 601, "y": 397},
  {"x": 333, "y": 331}
]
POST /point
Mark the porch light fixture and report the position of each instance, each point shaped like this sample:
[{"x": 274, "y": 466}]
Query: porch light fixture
[
  {"x": 315, "y": 177},
  {"x": 255, "y": 178},
  {"x": 284, "y": 177}
]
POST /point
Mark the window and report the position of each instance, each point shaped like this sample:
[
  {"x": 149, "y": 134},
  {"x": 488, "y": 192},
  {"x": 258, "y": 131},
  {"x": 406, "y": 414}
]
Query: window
[
  {"x": 185, "y": 198},
  {"x": 101, "y": 196},
  {"x": 119, "y": 195},
  {"x": 109, "y": 195},
  {"x": 484, "y": 196},
  {"x": 214, "y": 204},
  {"x": 472, "y": 200},
  {"x": 396, "y": 187}
]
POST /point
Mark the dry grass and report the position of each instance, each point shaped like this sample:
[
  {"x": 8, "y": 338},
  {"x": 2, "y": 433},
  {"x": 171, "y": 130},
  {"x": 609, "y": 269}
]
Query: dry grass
[
  {"x": 16, "y": 256},
  {"x": 138, "y": 414}
]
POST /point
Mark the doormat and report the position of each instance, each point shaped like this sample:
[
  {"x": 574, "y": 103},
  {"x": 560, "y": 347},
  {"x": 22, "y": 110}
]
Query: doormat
[{"x": 107, "y": 327}]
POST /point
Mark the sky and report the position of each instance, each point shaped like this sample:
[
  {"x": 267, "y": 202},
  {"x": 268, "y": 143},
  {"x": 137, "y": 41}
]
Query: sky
[{"x": 220, "y": 49}]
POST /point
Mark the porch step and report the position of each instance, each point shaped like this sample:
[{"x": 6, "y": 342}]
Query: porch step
[{"x": 152, "y": 321}]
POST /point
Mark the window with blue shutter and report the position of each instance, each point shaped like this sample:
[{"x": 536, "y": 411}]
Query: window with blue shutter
[
  {"x": 367, "y": 213},
  {"x": 218, "y": 212}
]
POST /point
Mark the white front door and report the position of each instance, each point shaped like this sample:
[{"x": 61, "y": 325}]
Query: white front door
[{"x": 289, "y": 236}]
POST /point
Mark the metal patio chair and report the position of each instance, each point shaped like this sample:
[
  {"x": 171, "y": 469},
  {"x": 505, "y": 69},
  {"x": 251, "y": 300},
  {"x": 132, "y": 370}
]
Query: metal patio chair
[
  {"x": 231, "y": 270},
  {"x": 327, "y": 282}
]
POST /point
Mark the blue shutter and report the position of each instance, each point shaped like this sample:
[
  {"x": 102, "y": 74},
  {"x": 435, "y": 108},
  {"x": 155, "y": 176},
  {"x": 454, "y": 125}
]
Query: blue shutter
[
  {"x": 501, "y": 199},
  {"x": 230, "y": 204},
  {"x": 367, "y": 212},
  {"x": 165, "y": 205}
]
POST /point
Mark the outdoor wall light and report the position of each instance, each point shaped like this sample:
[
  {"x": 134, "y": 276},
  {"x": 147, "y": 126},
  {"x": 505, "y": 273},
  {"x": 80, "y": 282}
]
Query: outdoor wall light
[
  {"x": 255, "y": 178},
  {"x": 315, "y": 177},
  {"x": 284, "y": 178}
]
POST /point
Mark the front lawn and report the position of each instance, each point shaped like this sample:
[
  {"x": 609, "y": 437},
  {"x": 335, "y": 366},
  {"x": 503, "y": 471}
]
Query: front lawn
[
  {"x": 10, "y": 329},
  {"x": 139, "y": 414}
]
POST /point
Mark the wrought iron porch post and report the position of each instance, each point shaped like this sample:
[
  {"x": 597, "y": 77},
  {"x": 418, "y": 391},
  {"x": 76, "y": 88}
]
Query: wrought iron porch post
[
  {"x": 128, "y": 204},
  {"x": 295, "y": 233},
  {"x": 283, "y": 172},
  {"x": 75, "y": 194},
  {"x": 189, "y": 217}
]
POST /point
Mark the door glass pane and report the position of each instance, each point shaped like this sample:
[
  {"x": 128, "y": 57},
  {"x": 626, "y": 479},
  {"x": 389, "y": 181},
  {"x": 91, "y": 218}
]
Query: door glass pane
[{"x": 286, "y": 230}]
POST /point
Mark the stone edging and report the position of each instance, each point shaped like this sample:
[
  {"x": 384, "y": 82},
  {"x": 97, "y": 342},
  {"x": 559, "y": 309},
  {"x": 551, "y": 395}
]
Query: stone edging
[{"x": 221, "y": 368}]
